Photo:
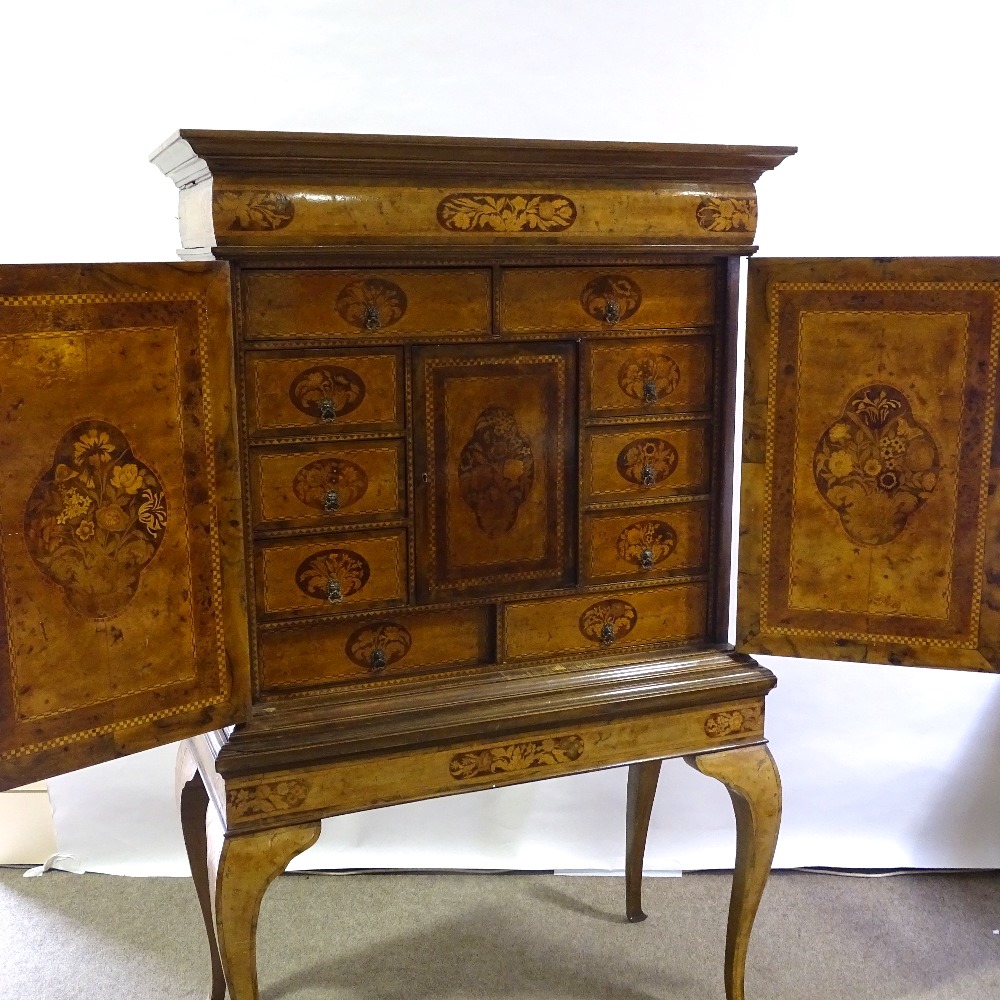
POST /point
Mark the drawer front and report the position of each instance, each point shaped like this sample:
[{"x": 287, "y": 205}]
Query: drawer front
[
  {"x": 295, "y": 486},
  {"x": 324, "y": 393},
  {"x": 645, "y": 462},
  {"x": 632, "y": 377},
  {"x": 543, "y": 300},
  {"x": 337, "y": 573},
  {"x": 390, "y": 304},
  {"x": 322, "y": 653},
  {"x": 599, "y": 623},
  {"x": 645, "y": 543}
]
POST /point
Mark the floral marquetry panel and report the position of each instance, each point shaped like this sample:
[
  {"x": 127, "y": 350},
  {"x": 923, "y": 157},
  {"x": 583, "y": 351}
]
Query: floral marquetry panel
[
  {"x": 871, "y": 521},
  {"x": 495, "y": 432},
  {"x": 118, "y": 499}
]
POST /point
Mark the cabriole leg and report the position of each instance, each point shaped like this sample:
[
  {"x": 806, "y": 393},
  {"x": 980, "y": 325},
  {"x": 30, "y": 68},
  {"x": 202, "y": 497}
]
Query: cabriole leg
[
  {"x": 192, "y": 799},
  {"x": 751, "y": 776},
  {"x": 642, "y": 778},
  {"x": 242, "y": 866}
]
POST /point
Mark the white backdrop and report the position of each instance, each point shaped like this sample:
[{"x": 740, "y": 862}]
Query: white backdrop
[{"x": 893, "y": 106}]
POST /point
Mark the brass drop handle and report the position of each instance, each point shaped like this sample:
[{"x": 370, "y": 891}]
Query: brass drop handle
[
  {"x": 649, "y": 392},
  {"x": 372, "y": 318},
  {"x": 331, "y": 501},
  {"x": 646, "y": 559},
  {"x": 608, "y": 633},
  {"x": 612, "y": 312},
  {"x": 648, "y": 475},
  {"x": 333, "y": 592},
  {"x": 376, "y": 662},
  {"x": 327, "y": 410}
]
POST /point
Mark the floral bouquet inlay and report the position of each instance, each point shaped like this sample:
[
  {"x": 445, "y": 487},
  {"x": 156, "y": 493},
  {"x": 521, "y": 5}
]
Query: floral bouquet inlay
[{"x": 95, "y": 519}]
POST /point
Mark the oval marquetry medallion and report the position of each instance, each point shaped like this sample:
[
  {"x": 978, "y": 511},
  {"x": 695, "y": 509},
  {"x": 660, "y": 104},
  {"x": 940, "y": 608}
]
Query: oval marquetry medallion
[
  {"x": 649, "y": 376},
  {"x": 371, "y": 303},
  {"x": 314, "y": 482},
  {"x": 611, "y": 298},
  {"x": 474, "y": 211},
  {"x": 496, "y": 470},
  {"x": 647, "y": 461},
  {"x": 253, "y": 211},
  {"x": 95, "y": 519},
  {"x": 378, "y": 645},
  {"x": 607, "y": 621},
  {"x": 647, "y": 542},
  {"x": 876, "y": 464},
  {"x": 327, "y": 391},
  {"x": 332, "y": 574}
]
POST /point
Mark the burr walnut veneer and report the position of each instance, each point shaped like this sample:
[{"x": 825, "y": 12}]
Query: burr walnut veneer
[{"x": 416, "y": 479}]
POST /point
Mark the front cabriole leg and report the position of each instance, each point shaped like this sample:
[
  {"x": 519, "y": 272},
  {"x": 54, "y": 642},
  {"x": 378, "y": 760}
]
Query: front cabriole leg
[{"x": 752, "y": 778}]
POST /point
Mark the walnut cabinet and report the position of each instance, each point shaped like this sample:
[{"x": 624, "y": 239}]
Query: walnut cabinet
[{"x": 415, "y": 478}]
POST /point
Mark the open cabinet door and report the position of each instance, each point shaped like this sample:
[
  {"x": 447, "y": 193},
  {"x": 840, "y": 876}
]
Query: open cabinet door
[
  {"x": 870, "y": 520},
  {"x": 122, "y": 619}
]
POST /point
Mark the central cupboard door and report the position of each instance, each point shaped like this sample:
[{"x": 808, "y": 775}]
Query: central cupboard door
[{"x": 495, "y": 447}]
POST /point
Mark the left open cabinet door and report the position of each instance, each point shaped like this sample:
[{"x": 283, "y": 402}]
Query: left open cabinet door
[{"x": 122, "y": 619}]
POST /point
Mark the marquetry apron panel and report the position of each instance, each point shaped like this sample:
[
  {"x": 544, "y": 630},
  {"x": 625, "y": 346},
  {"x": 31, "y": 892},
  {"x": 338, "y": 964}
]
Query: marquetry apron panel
[
  {"x": 645, "y": 543},
  {"x": 875, "y": 501},
  {"x": 494, "y": 461},
  {"x": 390, "y": 645},
  {"x": 391, "y": 304},
  {"x": 605, "y": 301},
  {"x": 111, "y": 592},
  {"x": 602, "y": 622},
  {"x": 636, "y": 377},
  {"x": 320, "y": 576},
  {"x": 296, "y": 486},
  {"x": 321, "y": 392},
  {"x": 646, "y": 461}
]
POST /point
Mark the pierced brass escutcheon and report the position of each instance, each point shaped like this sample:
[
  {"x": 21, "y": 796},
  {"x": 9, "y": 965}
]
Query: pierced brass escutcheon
[
  {"x": 331, "y": 501},
  {"x": 327, "y": 411}
]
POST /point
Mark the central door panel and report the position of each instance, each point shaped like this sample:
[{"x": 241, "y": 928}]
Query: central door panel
[{"x": 494, "y": 440}]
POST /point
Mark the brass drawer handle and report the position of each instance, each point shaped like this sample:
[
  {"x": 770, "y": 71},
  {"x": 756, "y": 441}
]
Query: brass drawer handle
[
  {"x": 650, "y": 394},
  {"x": 377, "y": 660},
  {"x": 331, "y": 501},
  {"x": 612, "y": 311},
  {"x": 327, "y": 410},
  {"x": 372, "y": 318},
  {"x": 608, "y": 635},
  {"x": 334, "y": 594},
  {"x": 646, "y": 559},
  {"x": 648, "y": 475}
]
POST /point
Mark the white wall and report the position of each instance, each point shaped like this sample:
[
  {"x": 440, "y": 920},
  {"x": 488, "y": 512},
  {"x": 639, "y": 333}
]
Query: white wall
[{"x": 893, "y": 106}]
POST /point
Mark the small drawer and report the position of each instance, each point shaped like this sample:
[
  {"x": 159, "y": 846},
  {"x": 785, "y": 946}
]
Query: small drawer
[
  {"x": 645, "y": 543},
  {"x": 299, "y": 486},
  {"x": 322, "y": 393},
  {"x": 606, "y": 622},
  {"x": 650, "y": 461},
  {"x": 320, "y": 653},
  {"x": 633, "y": 377},
  {"x": 303, "y": 305},
  {"x": 580, "y": 300},
  {"x": 323, "y": 576}
]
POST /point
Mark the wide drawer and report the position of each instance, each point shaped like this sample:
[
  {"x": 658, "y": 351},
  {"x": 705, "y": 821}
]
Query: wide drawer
[
  {"x": 557, "y": 299},
  {"x": 392, "y": 304},
  {"x": 642, "y": 376},
  {"x": 321, "y": 576},
  {"x": 298, "y": 486},
  {"x": 644, "y": 462},
  {"x": 602, "y": 622},
  {"x": 319, "y": 653},
  {"x": 317, "y": 392},
  {"x": 645, "y": 543}
]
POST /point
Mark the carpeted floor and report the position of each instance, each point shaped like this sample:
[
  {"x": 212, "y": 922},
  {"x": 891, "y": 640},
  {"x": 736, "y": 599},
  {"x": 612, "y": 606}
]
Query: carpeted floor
[{"x": 508, "y": 937}]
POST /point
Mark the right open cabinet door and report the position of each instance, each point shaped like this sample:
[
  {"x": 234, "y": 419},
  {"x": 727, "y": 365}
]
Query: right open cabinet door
[{"x": 870, "y": 516}]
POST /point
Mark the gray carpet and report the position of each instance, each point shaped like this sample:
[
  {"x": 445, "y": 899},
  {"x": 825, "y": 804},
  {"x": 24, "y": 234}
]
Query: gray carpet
[{"x": 508, "y": 937}]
